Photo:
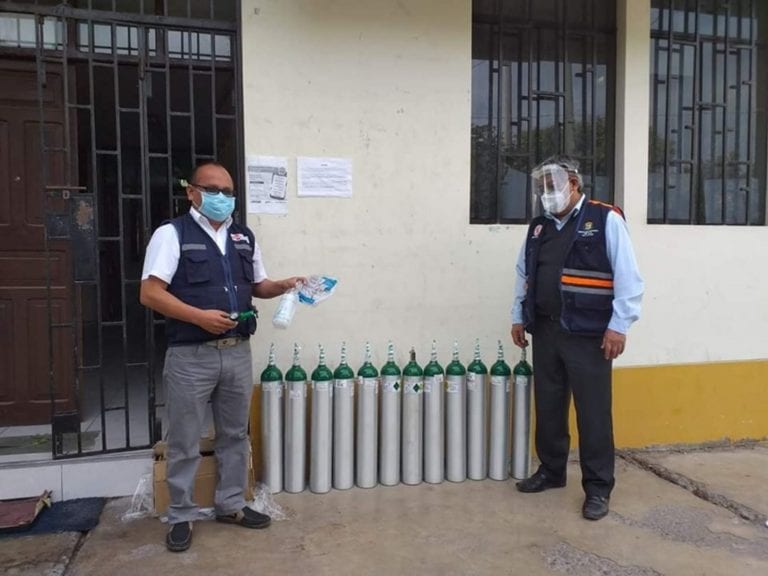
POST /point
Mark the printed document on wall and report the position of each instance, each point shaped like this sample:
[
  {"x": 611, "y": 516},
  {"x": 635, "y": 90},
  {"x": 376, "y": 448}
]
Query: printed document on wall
[
  {"x": 267, "y": 178},
  {"x": 324, "y": 177}
]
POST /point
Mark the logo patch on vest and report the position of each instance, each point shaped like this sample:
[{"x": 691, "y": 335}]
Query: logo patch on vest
[
  {"x": 537, "y": 231},
  {"x": 587, "y": 230},
  {"x": 240, "y": 238}
]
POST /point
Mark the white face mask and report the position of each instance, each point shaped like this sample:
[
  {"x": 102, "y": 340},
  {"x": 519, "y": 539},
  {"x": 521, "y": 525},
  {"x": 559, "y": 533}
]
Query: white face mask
[{"x": 556, "y": 202}]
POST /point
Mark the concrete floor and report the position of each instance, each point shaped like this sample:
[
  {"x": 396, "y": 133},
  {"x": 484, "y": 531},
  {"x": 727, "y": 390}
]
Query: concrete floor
[{"x": 654, "y": 528}]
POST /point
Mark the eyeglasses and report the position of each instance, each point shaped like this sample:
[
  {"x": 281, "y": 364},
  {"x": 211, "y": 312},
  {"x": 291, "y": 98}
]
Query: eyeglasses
[{"x": 214, "y": 191}]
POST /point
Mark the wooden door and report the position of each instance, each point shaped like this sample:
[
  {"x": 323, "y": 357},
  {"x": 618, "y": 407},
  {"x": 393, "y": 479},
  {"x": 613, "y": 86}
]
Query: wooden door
[{"x": 26, "y": 270}]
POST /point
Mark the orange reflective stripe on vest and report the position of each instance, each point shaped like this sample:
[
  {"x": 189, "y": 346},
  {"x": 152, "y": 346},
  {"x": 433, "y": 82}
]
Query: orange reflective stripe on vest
[{"x": 581, "y": 281}]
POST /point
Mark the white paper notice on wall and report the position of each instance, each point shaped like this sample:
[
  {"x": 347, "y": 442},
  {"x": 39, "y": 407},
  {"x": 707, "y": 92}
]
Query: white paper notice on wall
[
  {"x": 267, "y": 179},
  {"x": 324, "y": 177}
]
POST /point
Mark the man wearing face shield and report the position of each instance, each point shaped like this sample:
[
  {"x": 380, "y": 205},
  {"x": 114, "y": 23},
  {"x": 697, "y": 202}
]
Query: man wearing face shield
[
  {"x": 577, "y": 291},
  {"x": 200, "y": 272}
]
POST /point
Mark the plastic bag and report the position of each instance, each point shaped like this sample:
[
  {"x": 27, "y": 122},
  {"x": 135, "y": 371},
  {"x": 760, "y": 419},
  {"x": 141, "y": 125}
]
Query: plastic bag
[
  {"x": 264, "y": 503},
  {"x": 316, "y": 289},
  {"x": 142, "y": 502},
  {"x": 312, "y": 292}
]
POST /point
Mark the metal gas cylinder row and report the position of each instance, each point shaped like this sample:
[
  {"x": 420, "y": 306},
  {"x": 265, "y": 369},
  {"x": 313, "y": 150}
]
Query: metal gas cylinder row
[{"x": 393, "y": 426}]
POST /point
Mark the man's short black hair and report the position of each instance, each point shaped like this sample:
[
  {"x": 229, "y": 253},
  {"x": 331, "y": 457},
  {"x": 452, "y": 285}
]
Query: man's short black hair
[{"x": 203, "y": 164}]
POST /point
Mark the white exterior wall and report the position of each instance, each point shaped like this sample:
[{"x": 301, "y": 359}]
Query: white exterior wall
[
  {"x": 706, "y": 297},
  {"x": 387, "y": 83}
]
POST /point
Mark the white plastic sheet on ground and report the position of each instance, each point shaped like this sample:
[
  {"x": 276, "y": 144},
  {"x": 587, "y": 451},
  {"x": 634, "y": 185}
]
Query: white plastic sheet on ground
[{"x": 142, "y": 503}]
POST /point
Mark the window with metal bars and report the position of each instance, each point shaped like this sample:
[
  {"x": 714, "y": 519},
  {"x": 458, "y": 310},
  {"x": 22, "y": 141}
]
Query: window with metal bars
[
  {"x": 223, "y": 10},
  {"x": 542, "y": 83},
  {"x": 708, "y": 128}
]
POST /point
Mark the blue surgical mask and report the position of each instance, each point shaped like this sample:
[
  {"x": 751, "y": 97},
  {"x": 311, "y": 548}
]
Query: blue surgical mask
[{"x": 216, "y": 207}]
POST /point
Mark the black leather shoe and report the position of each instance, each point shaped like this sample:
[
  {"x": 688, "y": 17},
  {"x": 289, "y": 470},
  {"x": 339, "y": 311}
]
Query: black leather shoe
[
  {"x": 179, "y": 537},
  {"x": 595, "y": 507},
  {"x": 247, "y": 518},
  {"x": 539, "y": 482}
]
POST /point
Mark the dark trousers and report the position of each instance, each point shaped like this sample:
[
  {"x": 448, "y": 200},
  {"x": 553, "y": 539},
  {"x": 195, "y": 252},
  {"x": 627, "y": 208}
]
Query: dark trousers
[{"x": 565, "y": 363}]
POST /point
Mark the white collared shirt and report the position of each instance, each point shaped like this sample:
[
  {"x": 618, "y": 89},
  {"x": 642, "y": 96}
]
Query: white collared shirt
[{"x": 163, "y": 251}]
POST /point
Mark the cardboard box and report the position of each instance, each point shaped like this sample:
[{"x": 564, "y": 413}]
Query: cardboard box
[{"x": 205, "y": 479}]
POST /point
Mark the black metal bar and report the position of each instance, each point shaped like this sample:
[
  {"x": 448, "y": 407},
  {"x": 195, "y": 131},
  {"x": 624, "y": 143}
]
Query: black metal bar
[
  {"x": 121, "y": 238},
  {"x": 593, "y": 116},
  {"x": 538, "y": 33},
  {"x": 559, "y": 78},
  {"x": 497, "y": 100},
  {"x": 41, "y": 74},
  {"x": 724, "y": 165},
  {"x": 667, "y": 100},
  {"x": 97, "y": 224},
  {"x": 654, "y": 116},
  {"x": 214, "y": 122},
  {"x": 712, "y": 122},
  {"x": 192, "y": 127},
  {"x": 149, "y": 333},
  {"x": 737, "y": 86},
  {"x": 696, "y": 123},
  {"x": 530, "y": 121},
  {"x": 752, "y": 100},
  {"x": 680, "y": 121},
  {"x": 524, "y": 118}
]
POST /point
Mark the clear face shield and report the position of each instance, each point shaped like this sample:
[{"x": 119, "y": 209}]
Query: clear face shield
[{"x": 551, "y": 188}]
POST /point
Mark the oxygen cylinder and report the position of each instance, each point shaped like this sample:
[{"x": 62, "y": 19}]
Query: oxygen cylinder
[
  {"x": 413, "y": 421},
  {"x": 455, "y": 419},
  {"x": 321, "y": 436},
  {"x": 434, "y": 426},
  {"x": 272, "y": 424},
  {"x": 295, "y": 426},
  {"x": 498, "y": 453},
  {"x": 343, "y": 424},
  {"x": 389, "y": 450},
  {"x": 477, "y": 425},
  {"x": 521, "y": 431},
  {"x": 367, "y": 445}
]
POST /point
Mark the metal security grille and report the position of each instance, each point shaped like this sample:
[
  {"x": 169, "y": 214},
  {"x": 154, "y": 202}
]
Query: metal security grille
[
  {"x": 145, "y": 95},
  {"x": 542, "y": 83},
  {"x": 709, "y": 89}
]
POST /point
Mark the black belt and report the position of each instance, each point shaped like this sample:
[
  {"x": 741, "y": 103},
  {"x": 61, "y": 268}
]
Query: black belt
[{"x": 548, "y": 318}]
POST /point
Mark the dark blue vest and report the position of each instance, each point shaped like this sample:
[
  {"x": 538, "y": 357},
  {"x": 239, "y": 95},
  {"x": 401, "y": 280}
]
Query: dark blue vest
[
  {"x": 209, "y": 280},
  {"x": 586, "y": 277}
]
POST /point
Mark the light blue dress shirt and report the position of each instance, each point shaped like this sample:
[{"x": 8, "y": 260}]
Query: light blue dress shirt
[{"x": 627, "y": 283}]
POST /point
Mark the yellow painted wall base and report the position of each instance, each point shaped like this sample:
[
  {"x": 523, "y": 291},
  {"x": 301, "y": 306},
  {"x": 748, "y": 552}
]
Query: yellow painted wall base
[{"x": 690, "y": 403}]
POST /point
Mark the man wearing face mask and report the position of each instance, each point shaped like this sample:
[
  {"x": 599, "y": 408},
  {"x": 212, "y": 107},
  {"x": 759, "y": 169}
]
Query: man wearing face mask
[
  {"x": 577, "y": 292},
  {"x": 200, "y": 272}
]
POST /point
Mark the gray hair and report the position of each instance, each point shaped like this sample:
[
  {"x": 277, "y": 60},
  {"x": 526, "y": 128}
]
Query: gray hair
[{"x": 569, "y": 163}]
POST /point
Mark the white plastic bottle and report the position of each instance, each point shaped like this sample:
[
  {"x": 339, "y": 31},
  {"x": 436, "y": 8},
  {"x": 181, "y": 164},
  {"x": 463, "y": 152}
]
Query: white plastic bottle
[{"x": 285, "y": 309}]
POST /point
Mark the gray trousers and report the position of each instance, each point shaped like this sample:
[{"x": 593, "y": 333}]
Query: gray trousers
[{"x": 193, "y": 375}]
